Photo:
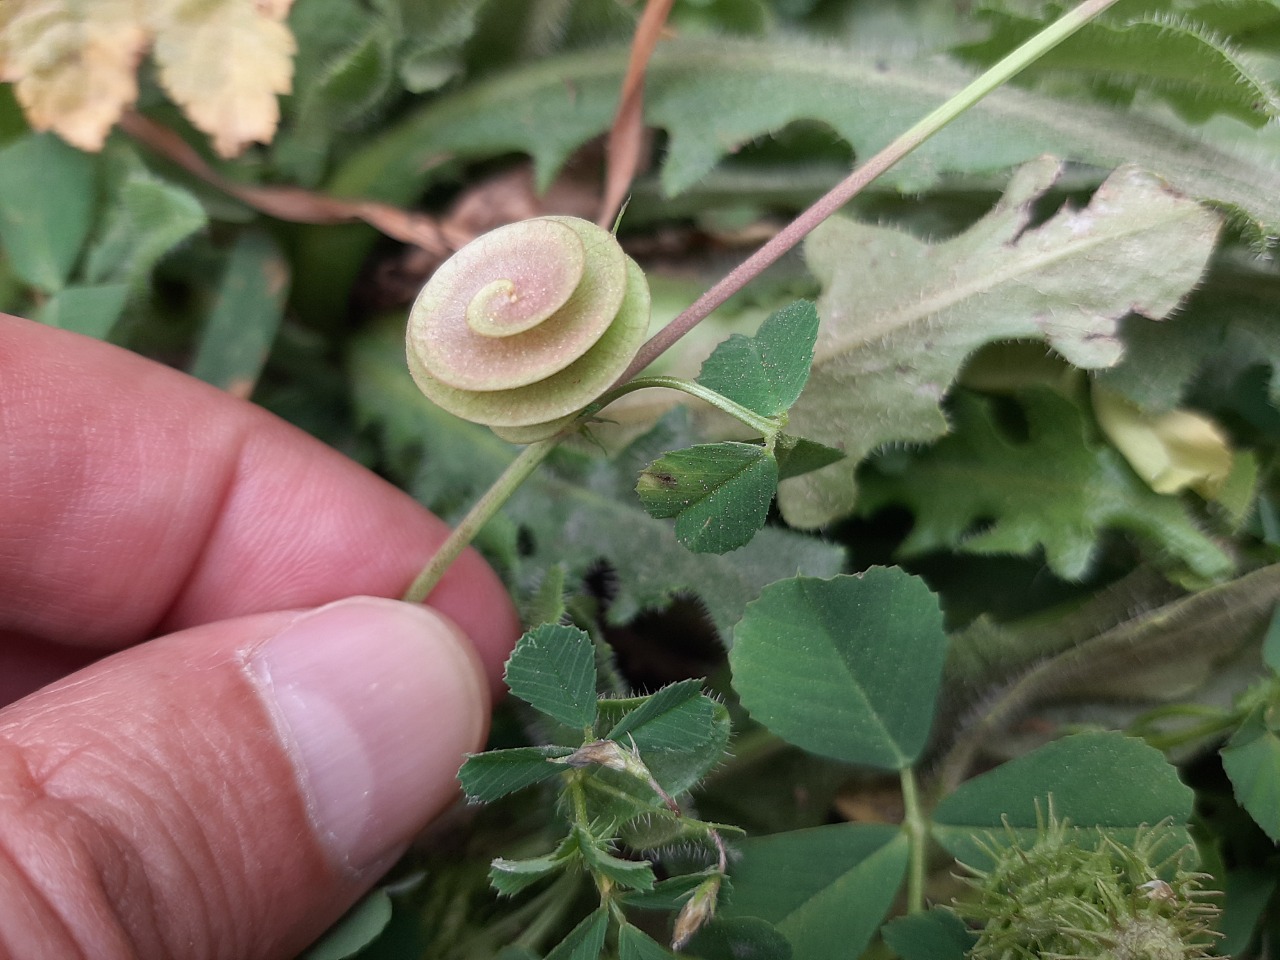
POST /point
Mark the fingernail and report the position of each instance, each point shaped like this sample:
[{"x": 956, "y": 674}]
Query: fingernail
[{"x": 376, "y": 702}]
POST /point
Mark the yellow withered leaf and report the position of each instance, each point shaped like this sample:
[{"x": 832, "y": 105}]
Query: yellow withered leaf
[
  {"x": 224, "y": 62},
  {"x": 73, "y": 64}
]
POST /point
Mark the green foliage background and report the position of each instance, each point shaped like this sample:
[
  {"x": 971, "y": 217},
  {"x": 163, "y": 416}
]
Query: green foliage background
[{"x": 1106, "y": 221}]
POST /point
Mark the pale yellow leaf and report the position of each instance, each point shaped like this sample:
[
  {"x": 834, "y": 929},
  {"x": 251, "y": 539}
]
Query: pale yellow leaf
[
  {"x": 225, "y": 62},
  {"x": 73, "y": 63}
]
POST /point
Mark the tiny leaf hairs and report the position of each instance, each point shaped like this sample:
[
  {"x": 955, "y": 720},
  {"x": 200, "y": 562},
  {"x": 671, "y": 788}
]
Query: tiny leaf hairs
[{"x": 527, "y": 324}]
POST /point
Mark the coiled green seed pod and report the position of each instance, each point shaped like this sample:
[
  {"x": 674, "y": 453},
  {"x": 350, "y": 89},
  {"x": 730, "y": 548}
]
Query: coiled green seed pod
[{"x": 524, "y": 326}]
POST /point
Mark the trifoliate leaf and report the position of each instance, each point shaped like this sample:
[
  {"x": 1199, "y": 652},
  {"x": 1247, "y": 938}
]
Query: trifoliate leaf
[
  {"x": 553, "y": 669},
  {"x": 719, "y": 493},
  {"x": 46, "y": 207},
  {"x": 766, "y": 372},
  {"x": 846, "y": 668},
  {"x": 578, "y": 510},
  {"x": 1142, "y": 788},
  {"x": 1057, "y": 491},
  {"x": 1174, "y": 55},
  {"x": 1171, "y": 451},
  {"x": 805, "y": 882},
  {"x": 900, "y": 316},
  {"x": 1252, "y": 761},
  {"x": 487, "y": 776}
]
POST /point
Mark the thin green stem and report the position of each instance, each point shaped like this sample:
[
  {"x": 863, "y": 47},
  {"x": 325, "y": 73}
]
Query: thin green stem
[
  {"x": 767, "y": 427},
  {"x": 857, "y": 181},
  {"x": 916, "y": 827},
  {"x": 480, "y": 514}
]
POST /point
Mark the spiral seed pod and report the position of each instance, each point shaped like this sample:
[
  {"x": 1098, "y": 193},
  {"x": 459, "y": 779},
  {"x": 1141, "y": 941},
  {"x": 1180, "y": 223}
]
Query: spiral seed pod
[{"x": 524, "y": 326}]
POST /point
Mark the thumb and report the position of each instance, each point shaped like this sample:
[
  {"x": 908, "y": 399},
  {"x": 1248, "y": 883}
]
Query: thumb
[{"x": 229, "y": 790}]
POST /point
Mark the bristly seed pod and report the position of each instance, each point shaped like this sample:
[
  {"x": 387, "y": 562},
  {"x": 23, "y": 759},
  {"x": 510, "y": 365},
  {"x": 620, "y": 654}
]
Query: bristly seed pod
[{"x": 524, "y": 326}]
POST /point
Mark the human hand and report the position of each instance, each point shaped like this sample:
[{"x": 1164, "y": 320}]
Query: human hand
[{"x": 228, "y": 789}]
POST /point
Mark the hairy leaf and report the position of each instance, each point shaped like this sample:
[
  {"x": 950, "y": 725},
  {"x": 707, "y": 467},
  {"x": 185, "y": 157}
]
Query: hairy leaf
[
  {"x": 628, "y": 874},
  {"x": 654, "y": 706},
  {"x": 825, "y": 889},
  {"x": 766, "y": 372},
  {"x": 846, "y": 668},
  {"x": 553, "y": 669},
  {"x": 719, "y": 493},
  {"x": 509, "y": 877},
  {"x": 936, "y": 934},
  {"x": 979, "y": 491},
  {"x": 148, "y": 218},
  {"x": 1141, "y": 788},
  {"x": 585, "y": 941},
  {"x": 1146, "y": 46},
  {"x": 900, "y": 316},
  {"x": 635, "y": 944}
]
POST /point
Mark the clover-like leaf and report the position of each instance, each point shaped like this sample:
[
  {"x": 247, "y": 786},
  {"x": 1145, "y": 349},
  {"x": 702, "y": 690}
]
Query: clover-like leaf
[
  {"x": 585, "y": 941},
  {"x": 1252, "y": 760},
  {"x": 719, "y": 493},
  {"x": 654, "y": 706},
  {"x": 527, "y": 324},
  {"x": 767, "y": 372},
  {"x": 846, "y": 668},
  {"x": 509, "y": 877},
  {"x": 553, "y": 669}
]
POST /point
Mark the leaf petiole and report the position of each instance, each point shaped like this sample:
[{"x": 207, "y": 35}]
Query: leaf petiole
[{"x": 767, "y": 427}]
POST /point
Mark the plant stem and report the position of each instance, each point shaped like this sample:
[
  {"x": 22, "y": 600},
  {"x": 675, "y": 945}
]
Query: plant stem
[
  {"x": 857, "y": 181},
  {"x": 917, "y": 829},
  {"x": 766, "y": 426},
  {"x": 480, "y": 514}
]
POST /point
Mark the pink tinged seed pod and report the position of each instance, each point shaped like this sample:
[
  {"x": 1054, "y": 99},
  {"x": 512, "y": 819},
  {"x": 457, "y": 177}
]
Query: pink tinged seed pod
[{"x": 526, "y": 325}]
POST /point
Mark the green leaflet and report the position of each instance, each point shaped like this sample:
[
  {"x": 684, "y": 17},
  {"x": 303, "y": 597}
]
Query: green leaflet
[
  {"x": 1141, "y": 788},
  {"x": 825, "y": 889},
  {"x": 358, "y": 928},
  {"x": 766, "y": 372},
  {"x": 46, "y": 208},
  {"x": 1173, "y": 50},
  {"x": 1058, "y": 492},
  {"x": 846, "y": 668},
  {"x": 900, "y": 316},
  {"x": 487, "y": 776},
  {"x": 713, "y": 96},
  {"x": 1252, "y": 761},
  {"x": 936, "y": 934},
  {"x": 719, "y": 493},
  {"x": 553, "y": 669}
]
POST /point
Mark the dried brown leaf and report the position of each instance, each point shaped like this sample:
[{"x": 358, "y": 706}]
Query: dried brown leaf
[{"x": 225, "y": 63}]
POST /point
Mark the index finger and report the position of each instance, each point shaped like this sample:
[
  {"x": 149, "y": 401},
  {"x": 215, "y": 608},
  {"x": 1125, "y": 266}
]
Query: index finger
[{"x": 135, "y": 500}]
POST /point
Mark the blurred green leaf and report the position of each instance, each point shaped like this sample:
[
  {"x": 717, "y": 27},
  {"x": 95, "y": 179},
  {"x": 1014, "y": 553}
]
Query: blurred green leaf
[
  {"x": 1245, "y": 896},
  {"x": 825, "y": 889},
  {"x": 739, "y": 938},
  {"x": 1165, "y": 48},
  {"x": 1103, "y": 780},
  {"x": 553, "y": 669},
  {"x": 488, "y": 776},
  {"x": 1271, "y": 641},
  {"x": 358, "y": 928},
  {"x": 936, "y": 934},
  {"x": 635, "y": 944},
  {"x": 846, "y": 668},
  {"x": 46, "y": 208},
  {"x": 719, "y": 493},
  {"x": 585, "y": 941},
  {"x": 1252, "y": 761},
  {"x": 246, "y": 315},
  {"x": 798, "y": 456},
  {"x": 148, "y": 217},
  {"x": 90, "y": 310},
  {"x": 977, "y": 490},
  {"x": 766, "y": 372}
]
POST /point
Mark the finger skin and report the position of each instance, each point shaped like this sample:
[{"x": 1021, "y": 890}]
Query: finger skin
[
  {"x": 149, "y": 810},
  {"x": 135, "y": 501}
]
